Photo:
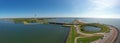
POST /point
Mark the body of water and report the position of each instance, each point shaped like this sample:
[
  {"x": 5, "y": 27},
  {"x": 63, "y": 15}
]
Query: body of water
[
  {"x": 91, "y": 29},
  {"x": 44, "y": 33},
  {"x": 36, "y": 33}
]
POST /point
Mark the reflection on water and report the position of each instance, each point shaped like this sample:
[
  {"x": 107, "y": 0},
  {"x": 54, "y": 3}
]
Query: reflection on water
[
  {"x": 37, "y": 33},
  {"x": 92, "y": 29}
]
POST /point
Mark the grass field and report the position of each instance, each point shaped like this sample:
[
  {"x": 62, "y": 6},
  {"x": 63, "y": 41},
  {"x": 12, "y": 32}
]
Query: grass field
[
  {"x": 72, "y": 35},
  {"x": 89, "y": 39}
]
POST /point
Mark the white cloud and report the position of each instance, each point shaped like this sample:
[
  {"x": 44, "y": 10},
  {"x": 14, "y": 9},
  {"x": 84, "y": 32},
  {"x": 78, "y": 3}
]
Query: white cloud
[
  {"x": 96, "y": 4},
  {"x": 98, "y": 8},
  {"x": 103, "y": 4},
  {"x": 100, "y": 15}
]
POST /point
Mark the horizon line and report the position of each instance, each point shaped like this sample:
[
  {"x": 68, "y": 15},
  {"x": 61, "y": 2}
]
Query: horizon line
[{"x": 60, "y": 17}]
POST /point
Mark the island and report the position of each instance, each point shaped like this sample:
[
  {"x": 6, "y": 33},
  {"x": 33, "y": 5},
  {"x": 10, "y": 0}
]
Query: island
[{"x": 30, "y": 20}]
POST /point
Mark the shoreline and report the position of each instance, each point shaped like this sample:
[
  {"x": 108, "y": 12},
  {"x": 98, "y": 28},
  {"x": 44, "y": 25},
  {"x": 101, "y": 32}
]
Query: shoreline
[
  {"x": 113, "y": 35},
  {"x": 115, "y": 41},
  {"x": 110, "y": 37},
  {"x": 66, "y": 37}
]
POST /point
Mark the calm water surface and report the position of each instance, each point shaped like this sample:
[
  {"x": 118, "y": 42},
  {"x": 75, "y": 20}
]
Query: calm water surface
[
  {"x": 91, "y": 29},
  {"x": 43, "y": 33},
  {"x": 40, "y": 33}
]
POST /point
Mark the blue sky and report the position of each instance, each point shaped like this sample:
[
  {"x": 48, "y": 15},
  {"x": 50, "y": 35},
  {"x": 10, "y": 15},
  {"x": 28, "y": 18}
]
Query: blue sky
[{"x": 60, "y": 8}]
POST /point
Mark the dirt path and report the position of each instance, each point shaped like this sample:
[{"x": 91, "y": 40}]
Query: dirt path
[
  {"x": 87, "y": 35},
  {"x": 113, "y": 36},
  {"x": 109, "y": 37}
]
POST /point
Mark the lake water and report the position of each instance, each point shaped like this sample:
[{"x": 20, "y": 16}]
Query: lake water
[
  {"x": 43, "y": 33},
  {"x": 36, "y": 33},
  {"x": 92, "y": 29}
]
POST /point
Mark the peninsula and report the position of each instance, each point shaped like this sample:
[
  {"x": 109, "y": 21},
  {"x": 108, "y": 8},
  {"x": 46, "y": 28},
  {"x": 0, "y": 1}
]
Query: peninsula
[{"x": 78, "y": 34}]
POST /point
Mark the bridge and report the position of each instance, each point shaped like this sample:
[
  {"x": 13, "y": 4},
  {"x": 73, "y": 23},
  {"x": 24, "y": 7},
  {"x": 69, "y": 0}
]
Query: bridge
[
  {"x": 75, "y": 22},
  {"x": 58, "y": 23}
]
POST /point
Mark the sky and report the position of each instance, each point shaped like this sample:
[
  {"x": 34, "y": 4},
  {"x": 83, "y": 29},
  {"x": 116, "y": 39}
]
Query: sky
[{"x": 60, "y": 8}]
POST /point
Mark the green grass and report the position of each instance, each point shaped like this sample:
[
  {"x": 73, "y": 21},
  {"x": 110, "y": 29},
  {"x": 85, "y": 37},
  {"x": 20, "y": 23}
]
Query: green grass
[
  {"x": 72, "y": 35},
  {"x": 89, "y": 39},
  {"x": 30, "y": 20},
  {"x": 105, "y": 29}
]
